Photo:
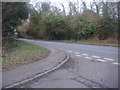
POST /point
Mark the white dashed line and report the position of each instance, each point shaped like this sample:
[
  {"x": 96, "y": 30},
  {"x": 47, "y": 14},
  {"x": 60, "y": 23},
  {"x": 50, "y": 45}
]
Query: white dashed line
[
  {"x": 51, "y": 54},
  {"x": 116, "y": 63},
  {"x": 85, "y": 54},
  {"x": 95, "y": 56},
  {"x": 101, "y": 60},
  {"x": 108, "y": 59},
  {"x": 88, "y": 57},
  {"x": 70, "y": 51},
  {"x": 78, "y": 55},
  {"x": 77, "y": 52},
  {"x": 47, "y": 42},
  {"x": 59, "y": 43}
]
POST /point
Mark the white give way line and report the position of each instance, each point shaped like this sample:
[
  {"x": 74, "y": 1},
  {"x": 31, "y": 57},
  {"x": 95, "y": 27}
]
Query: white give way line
[{"x": 97, "y": 58}]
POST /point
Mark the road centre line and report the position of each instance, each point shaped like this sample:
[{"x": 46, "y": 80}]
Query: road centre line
[
  {"x": 59, "y": 43},
  {"x": 47, "y": 42},
  {"x": 85, "y": 54},
  {"x": 88, "y": 57},
  {"x": 116, "y": 63},
  {"x": 108, "y": 59},
  {"x": 79, "y": 55},
  {"x": 95, "y": 56},
  {"x": 70, "y": 51},
  {"x": 101, "y": 60},
  {"x": 77, "y": 52}
]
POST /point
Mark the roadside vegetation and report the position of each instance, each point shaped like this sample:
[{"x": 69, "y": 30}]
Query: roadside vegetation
[
  {"x": 13, "y": 14},
  {"x": 23, "y": 53},
  {"x": 80, "y": 22},
  {"x": 100, "y": 43},
  {"x": 76, "y": 22}
]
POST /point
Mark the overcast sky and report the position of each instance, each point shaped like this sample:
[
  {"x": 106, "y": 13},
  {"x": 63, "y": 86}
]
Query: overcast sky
[
  {"x": 59, "y": 2},
  {"x": 66, "y": 2}
]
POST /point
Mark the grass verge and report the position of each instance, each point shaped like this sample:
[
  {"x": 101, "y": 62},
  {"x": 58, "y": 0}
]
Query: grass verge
[
  {"x": 24, "y": 53},
  {"x": 88, "y": 42},
  {"x": 107, "y": 42},
  {"x": 92, "y": 43}
]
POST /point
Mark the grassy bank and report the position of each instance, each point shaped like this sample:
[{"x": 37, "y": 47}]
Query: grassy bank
[
  {"x": 109, "y": 42},
  {"x": 100, "y": 43},
  {"x": 22, "y": 54},
  {"x": 92, "y": 43}
]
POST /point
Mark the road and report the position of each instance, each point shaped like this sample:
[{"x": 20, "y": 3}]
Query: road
[{"x": 89, "y": 66}]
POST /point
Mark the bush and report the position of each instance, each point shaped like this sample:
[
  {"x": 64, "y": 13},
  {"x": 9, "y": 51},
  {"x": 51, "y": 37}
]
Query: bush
[{"x": 88, "y": 30}]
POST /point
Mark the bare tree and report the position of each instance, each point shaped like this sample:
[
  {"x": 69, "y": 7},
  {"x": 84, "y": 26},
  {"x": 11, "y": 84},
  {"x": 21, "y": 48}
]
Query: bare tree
[
  {"x": 63, "y": 9},
  {"x": 97, "y": 7}
]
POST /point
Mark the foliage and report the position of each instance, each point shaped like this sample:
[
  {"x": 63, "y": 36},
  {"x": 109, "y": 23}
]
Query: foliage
[
  {"x": 88, "y": 30},
  {"x": 107, "y": 29},
  {"x": 13, "y": 13},
  {"x": 108, "y": 24},
  {"x": 52, "y": 23},
  {"x": 55, "y": 27}
]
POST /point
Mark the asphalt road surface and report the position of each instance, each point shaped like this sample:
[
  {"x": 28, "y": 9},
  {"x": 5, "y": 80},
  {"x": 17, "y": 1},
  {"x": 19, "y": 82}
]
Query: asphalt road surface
[{"x": 89, "y": 66}]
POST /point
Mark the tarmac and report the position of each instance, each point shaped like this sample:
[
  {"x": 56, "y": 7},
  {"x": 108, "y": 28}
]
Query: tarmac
[{"x": 24, "y": 74}]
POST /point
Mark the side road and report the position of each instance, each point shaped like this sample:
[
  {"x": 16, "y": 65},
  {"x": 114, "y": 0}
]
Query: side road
[{"x": 23, "y": 74}]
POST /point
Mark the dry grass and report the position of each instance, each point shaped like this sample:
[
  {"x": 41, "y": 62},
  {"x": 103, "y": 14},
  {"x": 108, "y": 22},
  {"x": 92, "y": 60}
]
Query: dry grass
[
  {"x": 24, "y": 53},
  {"x": 108, "y": 42}
]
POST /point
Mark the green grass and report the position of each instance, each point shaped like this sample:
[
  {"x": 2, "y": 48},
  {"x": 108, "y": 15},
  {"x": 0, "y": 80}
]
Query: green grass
[
  {"x": 22, "y": 54},
  {"x": 96, "y": 43},
  {"x": 100, "y": 43},
  {"x": 91, "y": 43}
]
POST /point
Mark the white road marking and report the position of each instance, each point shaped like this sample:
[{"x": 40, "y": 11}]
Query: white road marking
[
  {"x": 59, "y": 43},
  {"x": 51, "y": 54},
  {"x": 108, "y": 59},
  {"x": 70, "y": 51},
  {"x": 95, "y": 56},
  {"x": 85, "y": 54},
  {"x": 77, "y": 52},
  {"x": 79, "y": 55},
  {"x": 116, "y": 63},
  {"x": 88, "y": 57},
  {"x": 47, "y": 42},
  {"x": 101, "y": 60}
]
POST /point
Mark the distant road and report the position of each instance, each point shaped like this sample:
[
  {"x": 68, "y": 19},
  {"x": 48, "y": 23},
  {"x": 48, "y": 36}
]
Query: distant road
[{"x": 89, "y": 66}]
